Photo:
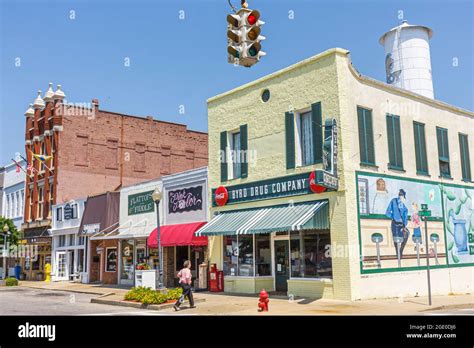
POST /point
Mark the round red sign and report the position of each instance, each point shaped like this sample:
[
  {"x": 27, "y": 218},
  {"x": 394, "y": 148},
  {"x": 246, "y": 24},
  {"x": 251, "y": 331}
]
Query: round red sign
[
  {"x": 316, "y": 188},
  {"x": 221, "y": 196}
]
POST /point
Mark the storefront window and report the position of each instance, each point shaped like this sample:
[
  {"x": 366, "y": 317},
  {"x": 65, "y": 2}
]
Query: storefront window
[
  {"x": 127, "y": 260},
  {"x": 310, "y": 256},
  {"x": 263, "y": 256},
  {"x": 230, "y": 255},
  {"x": 245, "y": 258}
]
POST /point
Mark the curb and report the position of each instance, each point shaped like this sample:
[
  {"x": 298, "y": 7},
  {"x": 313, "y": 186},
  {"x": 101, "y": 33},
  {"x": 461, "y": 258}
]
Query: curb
[
  {"x": 68, "y": 290},
  {"x": 455, "y": 306},
  {"x": 154, "y": 307}
]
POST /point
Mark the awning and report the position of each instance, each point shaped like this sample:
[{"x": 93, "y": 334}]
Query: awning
[
  {"x": 177, "y": 235},
  {"x": 293, "y": 217}
]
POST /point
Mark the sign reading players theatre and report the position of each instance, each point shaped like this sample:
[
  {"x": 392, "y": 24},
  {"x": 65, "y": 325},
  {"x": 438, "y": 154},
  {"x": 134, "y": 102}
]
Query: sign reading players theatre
[{"x": 291, "y": 185}]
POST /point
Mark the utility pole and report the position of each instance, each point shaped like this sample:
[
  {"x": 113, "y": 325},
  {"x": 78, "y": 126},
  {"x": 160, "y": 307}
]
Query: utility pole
[{"x": 425, "y": 213}]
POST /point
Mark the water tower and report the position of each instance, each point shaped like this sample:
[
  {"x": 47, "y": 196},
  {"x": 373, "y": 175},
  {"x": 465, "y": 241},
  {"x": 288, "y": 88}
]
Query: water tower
[{"x": 407, "y": 58}]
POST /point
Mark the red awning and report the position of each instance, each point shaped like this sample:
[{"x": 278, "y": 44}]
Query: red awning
[{"x": 177, "y": 235}]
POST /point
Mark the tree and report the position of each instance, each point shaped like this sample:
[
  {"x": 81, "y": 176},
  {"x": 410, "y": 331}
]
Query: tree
[{"x": 14, "y": 236}]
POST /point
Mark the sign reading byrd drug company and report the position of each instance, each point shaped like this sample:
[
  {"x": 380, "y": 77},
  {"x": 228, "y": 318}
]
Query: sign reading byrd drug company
[
  {"x": 140, "y": 203},
  {"x": 291, "y": 185}
]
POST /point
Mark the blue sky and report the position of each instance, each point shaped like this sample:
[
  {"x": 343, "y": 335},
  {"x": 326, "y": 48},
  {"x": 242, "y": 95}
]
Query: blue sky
[{"x": 177, "y": 61}]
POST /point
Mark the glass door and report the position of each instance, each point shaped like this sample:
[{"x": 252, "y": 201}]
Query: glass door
[
  {"x": 127, "y": 272},
  {"x": 61, "y": 265},
  {"x": 281, "y": 265}
]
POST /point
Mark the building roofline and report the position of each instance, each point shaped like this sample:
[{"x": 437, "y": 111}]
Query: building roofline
[
  {"x": 152, "y": 119},
  {"x": 280, "y": 72},
  {"x": 382, "y": 85},
  {"x": 362, "y": 78}
]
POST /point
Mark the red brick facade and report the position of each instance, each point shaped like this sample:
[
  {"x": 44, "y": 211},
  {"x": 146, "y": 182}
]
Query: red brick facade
[
  {"x": 101, "y": 152},
  {"x": 96, "y": 151}
]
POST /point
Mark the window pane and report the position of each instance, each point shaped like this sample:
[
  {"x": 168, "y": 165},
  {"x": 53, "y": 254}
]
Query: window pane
[
  {"x": 306, "y": 137},
  {"x": 245, "y": 256},
  {"x": 230, "y": 255},
  {"x": 310, "y": 256},
  {"x": 263, "y": 255},
  {"x": 236, "y": 155},
  {"x": 366, "y": 139}
]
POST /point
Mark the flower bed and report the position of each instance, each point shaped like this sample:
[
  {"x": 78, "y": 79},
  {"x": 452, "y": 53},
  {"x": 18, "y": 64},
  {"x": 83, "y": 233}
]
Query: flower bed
[{"x": 148, "y": 296}]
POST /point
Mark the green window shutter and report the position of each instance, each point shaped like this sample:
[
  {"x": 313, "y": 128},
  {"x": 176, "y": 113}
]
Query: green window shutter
[
  {"x": 443, "y": 151},
  {"x": 366, "y": 136},
  {"x": 317, "y": 122},
  {"x": 290, "y": 140},
  {"x": 465, "y": 158},
  {"x": 223, "y": 156},
  {"x": 243, "y": 151},
  {"x": 394, "y": 142},
  {"x": 420, "y": 148}
]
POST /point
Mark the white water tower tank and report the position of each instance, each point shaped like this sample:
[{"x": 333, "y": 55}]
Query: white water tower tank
[{"x": 407, "y": 58}]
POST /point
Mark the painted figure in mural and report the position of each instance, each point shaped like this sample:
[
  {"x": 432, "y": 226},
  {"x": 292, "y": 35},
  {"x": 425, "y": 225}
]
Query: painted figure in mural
[
  {"x": 398, "y": 212},
  {"x": 416, "y": 224}
]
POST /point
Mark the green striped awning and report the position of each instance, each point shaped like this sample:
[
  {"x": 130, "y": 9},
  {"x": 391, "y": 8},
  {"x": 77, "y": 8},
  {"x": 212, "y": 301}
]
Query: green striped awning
[{"x": 313, "y": 215}]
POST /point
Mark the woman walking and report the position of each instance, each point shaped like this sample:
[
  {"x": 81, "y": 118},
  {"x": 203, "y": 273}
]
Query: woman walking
[{"x": 185, "y": 281}]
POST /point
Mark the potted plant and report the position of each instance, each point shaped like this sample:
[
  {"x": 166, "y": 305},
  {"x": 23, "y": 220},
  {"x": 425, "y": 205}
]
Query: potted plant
[{"x": 40, "y": 276}]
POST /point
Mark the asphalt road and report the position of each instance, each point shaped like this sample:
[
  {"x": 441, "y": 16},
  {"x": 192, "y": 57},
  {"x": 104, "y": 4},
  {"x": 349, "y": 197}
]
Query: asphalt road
[{"x": 27, "y": 301}]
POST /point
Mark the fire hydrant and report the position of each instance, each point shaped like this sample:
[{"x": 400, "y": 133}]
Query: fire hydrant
[
  {"x": 47, "y": 271},
  {"x": 263, "y": 301}
]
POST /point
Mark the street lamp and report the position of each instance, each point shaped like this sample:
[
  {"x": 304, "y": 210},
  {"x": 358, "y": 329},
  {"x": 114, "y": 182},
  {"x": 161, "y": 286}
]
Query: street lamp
[
  {"x": 6, "y": 232},
  {"x": 156, "y": 196}
]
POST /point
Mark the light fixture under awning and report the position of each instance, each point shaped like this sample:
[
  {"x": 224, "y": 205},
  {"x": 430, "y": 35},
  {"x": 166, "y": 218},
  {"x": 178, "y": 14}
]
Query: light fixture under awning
[{"x": 293, "y": 217}]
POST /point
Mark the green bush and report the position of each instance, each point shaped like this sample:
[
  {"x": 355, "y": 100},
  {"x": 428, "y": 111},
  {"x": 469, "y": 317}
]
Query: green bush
[
  {"x": 148, "y": 296},
  {"x": 11, "y": 281}
]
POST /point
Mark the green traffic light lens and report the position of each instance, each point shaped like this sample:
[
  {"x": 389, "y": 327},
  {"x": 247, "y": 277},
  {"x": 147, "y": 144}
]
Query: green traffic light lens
[{"x": 253, "y": 51}]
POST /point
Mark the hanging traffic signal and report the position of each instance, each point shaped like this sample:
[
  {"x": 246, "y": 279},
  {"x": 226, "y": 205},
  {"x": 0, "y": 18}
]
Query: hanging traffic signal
[{"x": 243, "y": 37}]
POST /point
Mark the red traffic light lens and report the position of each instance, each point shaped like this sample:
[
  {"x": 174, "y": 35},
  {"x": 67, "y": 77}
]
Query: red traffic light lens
[{"x": 252, "y": 19}]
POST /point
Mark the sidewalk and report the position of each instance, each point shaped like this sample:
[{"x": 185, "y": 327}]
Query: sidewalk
[
  {"x": 95, "y": 289},
  {"x": 227, "y": 304}
]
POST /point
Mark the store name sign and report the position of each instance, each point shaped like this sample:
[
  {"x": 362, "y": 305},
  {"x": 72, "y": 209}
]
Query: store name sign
[
  {"x": 291, "y": 185},
  {"x": 188, "y": 199},
  {"x": 140, "y": 203}
]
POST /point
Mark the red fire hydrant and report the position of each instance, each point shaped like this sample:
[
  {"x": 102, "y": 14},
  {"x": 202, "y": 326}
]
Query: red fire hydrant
[{"x": 263, "y": 301}]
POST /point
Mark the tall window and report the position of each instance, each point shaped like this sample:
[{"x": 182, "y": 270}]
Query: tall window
[
  {"x": 306, "y": 139},
  {"x": 245, "y": 257},
  {"x": 62, "y": 240},
  {"x": 235, "y": 155},
  {"x": 40, "y": 203},
  {"x": 7, "y": 209},
  {"x": 74, "y": 210},
  {"x": 394, "y": 143},
  {"x": 17, "y": 203},
  {"x": 310, "y": 254},
  {"x": 231, "y": 251},
  {"x": 366, "y": 136},
  {"x": 59, "y": 214},
  {"x": 420, "y": 148},
  {"x": 465, "y": 160},
  {"x": 443, "y": 152},
  {"x": 263, "y": 256}
]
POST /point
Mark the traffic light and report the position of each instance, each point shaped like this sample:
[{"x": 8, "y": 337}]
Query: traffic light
[{"x": 243, "y": 37}]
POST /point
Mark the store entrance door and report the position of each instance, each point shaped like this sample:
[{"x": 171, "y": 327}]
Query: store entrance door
[
  {"x": 281, "y": 265},
  {"x": 61, "y": 265}
]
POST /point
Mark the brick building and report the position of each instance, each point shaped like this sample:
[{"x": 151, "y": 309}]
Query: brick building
[{"x": 94, "y": 151}]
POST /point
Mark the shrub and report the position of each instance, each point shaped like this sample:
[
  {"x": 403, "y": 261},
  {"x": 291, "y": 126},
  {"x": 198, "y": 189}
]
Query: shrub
[
  {"x": 11, "y": 281},
  {"x": 148, "y": 296}
]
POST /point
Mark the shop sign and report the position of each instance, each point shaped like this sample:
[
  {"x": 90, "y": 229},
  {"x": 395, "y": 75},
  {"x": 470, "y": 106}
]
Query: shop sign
[
  {"x": 188, "y": 199},
  {"x": 91, "y": 228},
  {"x": 327, "y": 180},
  {"x": 111, "y": 260},
  {"x": 291, "y": 185},
  {"x": 140, "y": 203},
  {"x": 67, "y": 212}
]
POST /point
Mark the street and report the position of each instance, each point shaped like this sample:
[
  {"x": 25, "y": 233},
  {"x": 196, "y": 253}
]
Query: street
[{"x": 26, "y": 301}]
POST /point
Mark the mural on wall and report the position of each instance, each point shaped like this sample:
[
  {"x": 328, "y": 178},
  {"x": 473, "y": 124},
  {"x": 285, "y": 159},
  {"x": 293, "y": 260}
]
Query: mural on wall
[
  {"x": 391, "y": 230},
  {"x": 459, "y": 221}
]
